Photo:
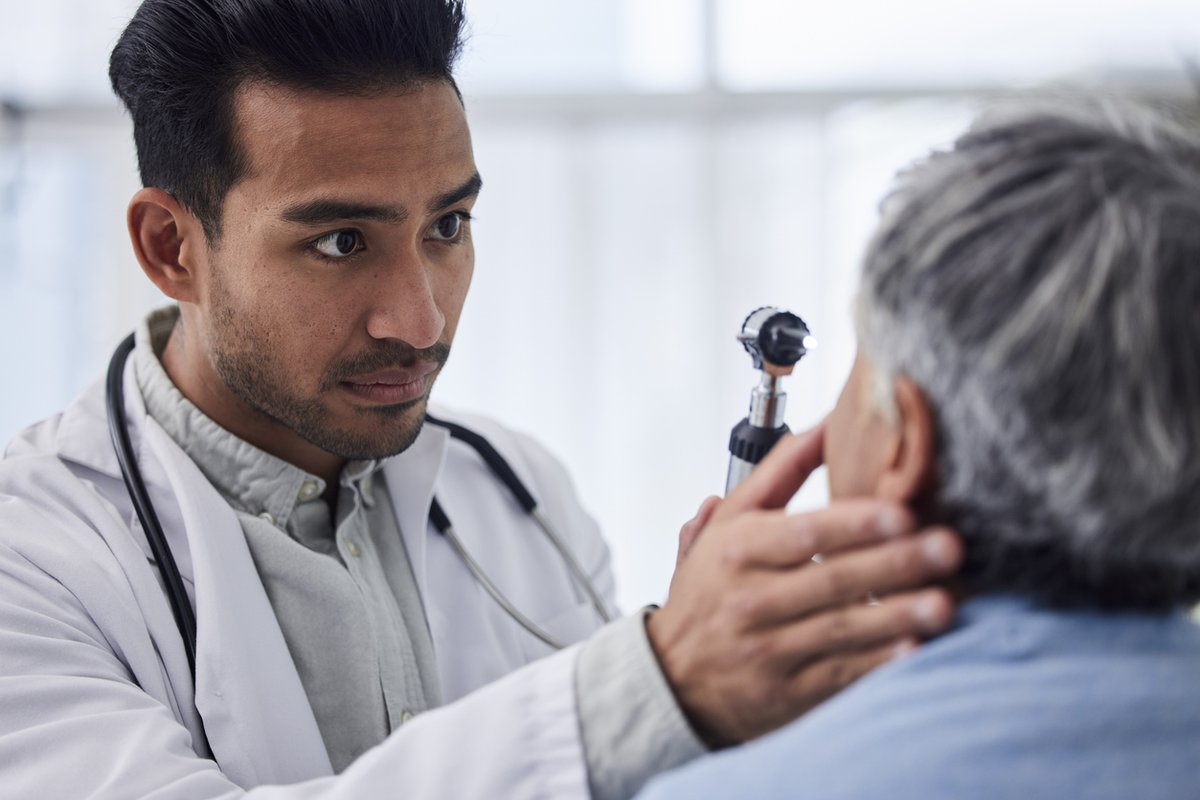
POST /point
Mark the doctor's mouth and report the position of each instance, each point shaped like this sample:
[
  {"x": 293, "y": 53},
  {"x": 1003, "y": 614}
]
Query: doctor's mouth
[{"x": 392, "y": 386}]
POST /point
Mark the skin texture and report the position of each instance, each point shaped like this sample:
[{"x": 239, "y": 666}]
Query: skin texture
[
  {"x": 319, "y": 359},
  {"x": 316, "y": 333},
  {"x": 858, "y": 439},
  {"x": 754, "y": 633},
  {"x": 871, "y": 453}
]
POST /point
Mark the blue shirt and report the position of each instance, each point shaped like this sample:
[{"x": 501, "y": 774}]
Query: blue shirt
[{"x": 1015, "y": 702}]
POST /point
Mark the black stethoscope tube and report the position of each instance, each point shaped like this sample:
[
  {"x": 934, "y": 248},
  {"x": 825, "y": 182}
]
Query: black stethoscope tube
[
  {"x": 181, "y": 606},
  {"x": 496, "y": 463},
  {"x": 507, "y": 476}
]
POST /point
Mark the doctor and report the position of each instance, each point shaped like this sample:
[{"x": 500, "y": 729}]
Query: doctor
[{"x": 309, "y": 181}]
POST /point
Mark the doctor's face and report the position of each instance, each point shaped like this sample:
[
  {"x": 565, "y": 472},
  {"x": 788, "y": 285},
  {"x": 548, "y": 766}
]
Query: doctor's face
[{"x": 344, "y": 259}]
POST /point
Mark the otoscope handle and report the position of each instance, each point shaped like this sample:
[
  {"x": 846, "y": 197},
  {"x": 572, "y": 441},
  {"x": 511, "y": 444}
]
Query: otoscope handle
[{"x": 748, "y": 445}]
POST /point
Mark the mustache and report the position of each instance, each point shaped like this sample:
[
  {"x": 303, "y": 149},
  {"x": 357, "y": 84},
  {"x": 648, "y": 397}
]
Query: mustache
[{"x": 384, "y": 355}]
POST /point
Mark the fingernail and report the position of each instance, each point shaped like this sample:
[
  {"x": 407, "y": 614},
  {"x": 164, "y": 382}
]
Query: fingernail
[
  {"x": 891, "y": 522},
  {"x": 929, "y": 612},
  {"x": 904, "y": 648},
  {"x": 938, "y": 551}
]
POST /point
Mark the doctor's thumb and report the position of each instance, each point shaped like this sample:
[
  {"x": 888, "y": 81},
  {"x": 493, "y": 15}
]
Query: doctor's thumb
[{"x": 692, "y": 529}]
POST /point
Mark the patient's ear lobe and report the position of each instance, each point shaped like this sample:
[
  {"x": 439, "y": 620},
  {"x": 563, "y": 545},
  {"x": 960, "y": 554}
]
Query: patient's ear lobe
[
  {"x": 168, "y": 241},
  {"x": 910, "y": 470}
]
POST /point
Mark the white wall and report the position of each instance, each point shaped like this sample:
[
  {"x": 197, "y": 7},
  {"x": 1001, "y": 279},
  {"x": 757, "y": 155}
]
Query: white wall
[{"x": 653, "y": 172}]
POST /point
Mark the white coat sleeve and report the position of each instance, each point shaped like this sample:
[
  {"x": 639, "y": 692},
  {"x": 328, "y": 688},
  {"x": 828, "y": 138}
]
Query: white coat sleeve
[
  {"x": 630, "y": 722},
  {"x": 75, "y": 723}
]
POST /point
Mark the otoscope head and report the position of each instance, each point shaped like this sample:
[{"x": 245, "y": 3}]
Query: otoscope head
[{"x": 775, "y": 338}]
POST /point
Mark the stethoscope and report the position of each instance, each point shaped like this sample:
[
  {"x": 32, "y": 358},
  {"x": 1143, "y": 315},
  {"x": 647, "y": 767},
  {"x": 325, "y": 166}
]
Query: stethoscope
[{"x": 181, "y": 607}]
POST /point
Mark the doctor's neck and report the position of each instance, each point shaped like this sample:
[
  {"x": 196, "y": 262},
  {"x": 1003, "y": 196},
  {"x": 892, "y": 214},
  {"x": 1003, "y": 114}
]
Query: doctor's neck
[{"x": 198, "y": 378}]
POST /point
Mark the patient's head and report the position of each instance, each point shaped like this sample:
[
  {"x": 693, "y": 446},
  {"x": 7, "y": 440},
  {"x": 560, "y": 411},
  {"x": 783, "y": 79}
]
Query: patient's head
[{"x": 1029, "y": 354}]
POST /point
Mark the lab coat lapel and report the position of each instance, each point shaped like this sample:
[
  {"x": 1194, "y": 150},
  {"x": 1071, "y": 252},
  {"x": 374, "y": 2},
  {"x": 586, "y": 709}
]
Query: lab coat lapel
[
  {"x": 242, "y": 661},
  {"x": 259, "y": 723},
  {"x": 411, "y": 478}
]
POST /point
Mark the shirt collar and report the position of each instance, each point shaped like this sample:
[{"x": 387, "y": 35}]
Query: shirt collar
[{"x": 251, "y": 480}]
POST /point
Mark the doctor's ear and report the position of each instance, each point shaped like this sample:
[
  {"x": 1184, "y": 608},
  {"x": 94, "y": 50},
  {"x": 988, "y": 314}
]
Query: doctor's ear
[
  {"x": 168, "y": 241},
  {"x": 909, "y": 472}
]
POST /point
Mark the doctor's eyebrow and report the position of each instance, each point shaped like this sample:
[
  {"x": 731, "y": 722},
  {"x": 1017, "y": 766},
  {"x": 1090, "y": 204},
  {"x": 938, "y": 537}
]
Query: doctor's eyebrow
[
  {"x": 469, "y": 188},
  {"x": 324, "y": 212}
]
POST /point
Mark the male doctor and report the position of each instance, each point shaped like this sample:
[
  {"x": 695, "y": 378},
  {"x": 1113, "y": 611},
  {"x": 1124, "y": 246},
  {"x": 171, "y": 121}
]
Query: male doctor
[{"x": 308, "y": 190}]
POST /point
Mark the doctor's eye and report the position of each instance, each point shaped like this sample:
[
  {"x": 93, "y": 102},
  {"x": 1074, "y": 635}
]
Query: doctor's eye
[
  {"x": 450, "y": 228},
  {"x": 339, "y": 244}
]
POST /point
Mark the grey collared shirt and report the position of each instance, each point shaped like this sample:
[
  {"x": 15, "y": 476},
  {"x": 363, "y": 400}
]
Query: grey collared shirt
[{"x": 343, "y": 586}]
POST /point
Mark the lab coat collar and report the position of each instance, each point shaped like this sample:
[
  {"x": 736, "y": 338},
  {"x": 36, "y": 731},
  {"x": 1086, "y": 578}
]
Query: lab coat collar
[
  {"x": 247, "y": 687},
  {"x": 411, "y": 477},
  {"x": 82, "y": 433}
]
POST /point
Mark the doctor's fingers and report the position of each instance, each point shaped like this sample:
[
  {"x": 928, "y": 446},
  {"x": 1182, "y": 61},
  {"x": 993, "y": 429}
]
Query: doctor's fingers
[
  {"x": 776, "y": 539},
  {"x": 779, "y": 475},
  {"x": 852, "y": 630},
  {"x": 780, "y": 694},
  {"x": 819, "y": 680},
  {"x": 769, "y": 597}
]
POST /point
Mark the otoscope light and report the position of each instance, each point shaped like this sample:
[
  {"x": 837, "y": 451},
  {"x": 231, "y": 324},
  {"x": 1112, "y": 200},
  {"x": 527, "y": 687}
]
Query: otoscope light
[{"x": 776, "y": 338}]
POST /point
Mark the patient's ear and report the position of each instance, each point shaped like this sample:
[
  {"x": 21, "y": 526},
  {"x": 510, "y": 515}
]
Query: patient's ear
[
  {"x": 910, "y": 468},
  {"x": 168, "y": 241}
]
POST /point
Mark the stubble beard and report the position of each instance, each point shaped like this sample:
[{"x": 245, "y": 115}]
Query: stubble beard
[{"x": 245, "y": 363}]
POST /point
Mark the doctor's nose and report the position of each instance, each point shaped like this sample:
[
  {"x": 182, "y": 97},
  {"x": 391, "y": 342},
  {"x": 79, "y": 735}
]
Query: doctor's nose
[{"x": 405, "y": 306}]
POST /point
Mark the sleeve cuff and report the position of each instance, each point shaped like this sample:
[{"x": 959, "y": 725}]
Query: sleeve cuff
[{"x": 631, "y": 726}]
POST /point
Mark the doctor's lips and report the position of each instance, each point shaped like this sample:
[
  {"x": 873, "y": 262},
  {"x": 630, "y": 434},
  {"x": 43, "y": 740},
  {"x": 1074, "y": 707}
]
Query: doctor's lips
[{"x": 394, "y": 384}]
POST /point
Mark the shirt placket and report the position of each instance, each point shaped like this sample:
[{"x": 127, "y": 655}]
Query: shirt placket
[{"x": 397, "y": 668}]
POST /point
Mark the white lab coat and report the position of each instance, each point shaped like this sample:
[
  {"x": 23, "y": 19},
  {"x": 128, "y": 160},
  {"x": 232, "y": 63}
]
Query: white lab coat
[{"x": 96, "y": 698}]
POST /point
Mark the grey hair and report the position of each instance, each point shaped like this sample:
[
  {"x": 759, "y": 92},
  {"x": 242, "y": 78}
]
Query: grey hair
[{"x": 1040, "y": 281}]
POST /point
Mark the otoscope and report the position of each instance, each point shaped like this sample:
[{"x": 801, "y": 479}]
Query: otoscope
[{"x": 775, "y": 340}]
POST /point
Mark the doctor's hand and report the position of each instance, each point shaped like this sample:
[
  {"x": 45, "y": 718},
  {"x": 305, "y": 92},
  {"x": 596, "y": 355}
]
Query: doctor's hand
[{"x": 754, "y": 633}]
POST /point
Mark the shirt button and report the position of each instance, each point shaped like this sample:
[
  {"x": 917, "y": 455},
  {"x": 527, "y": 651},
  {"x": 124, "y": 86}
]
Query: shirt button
[
  {"x": 266, "y": 516},
  {"x": 352, "y": 548},
  {"x": 406, "y": 717},
  {"x": 308, "y": 490}
]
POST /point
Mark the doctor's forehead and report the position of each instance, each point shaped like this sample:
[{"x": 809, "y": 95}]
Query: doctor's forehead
[{"x": 290, "y": 135}]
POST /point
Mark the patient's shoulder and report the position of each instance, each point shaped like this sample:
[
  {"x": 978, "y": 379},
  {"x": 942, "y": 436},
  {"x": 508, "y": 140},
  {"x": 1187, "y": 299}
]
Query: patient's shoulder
[{"x": 1014, "y": 702}]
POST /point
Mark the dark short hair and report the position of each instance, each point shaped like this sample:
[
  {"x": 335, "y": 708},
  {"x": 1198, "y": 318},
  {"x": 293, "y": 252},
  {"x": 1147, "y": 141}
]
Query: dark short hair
[{"x": 179, "y": 63}]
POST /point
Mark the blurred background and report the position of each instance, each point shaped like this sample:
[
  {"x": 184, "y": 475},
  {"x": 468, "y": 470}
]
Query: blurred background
[{"x": 655, "y": 170}]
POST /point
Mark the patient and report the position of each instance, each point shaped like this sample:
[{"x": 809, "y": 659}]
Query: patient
[{"x": 1029, "y": 373}]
